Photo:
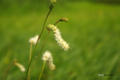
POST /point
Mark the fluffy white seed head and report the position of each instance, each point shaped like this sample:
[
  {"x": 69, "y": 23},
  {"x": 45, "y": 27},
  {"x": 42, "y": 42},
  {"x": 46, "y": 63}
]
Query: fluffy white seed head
[
  {"x": 47, "y": 56},
  {"x": 58, "y": 37},
  {"x": 21, "y": 67},
  {"x": 33, "y": 40}
]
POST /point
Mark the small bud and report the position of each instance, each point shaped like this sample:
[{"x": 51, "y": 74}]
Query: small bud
[
  {"x": 52, "y": 4},
  {"x": 64, "y": 19}
]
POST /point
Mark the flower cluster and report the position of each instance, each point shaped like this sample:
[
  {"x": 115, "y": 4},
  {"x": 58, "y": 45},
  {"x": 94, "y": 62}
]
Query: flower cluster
[
  {"x": 33, "y": 40},
  {"x": 58, "y": 37},
  {"x": 47, "y": 56}
]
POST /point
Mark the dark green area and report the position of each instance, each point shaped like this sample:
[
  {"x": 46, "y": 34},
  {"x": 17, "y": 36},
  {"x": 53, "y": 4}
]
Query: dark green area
[{"x": 93, "y": 33}]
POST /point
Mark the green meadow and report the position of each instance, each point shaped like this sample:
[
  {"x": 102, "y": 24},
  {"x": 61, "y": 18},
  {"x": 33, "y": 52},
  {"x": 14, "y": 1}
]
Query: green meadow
[{"x": 93, "y": 33}]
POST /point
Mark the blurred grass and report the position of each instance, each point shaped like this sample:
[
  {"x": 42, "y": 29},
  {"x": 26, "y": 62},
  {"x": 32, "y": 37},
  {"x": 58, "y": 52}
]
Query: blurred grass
[{"x": 92, "y": 31}]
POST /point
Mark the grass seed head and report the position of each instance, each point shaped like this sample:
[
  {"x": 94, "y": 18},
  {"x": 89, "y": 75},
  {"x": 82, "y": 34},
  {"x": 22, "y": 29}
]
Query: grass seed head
[{"x": 47, "y": 56}]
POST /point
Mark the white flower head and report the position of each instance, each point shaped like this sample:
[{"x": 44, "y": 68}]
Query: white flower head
[
  {"x": 33, "y": 40},
  {"x": 20, "y": 66},
  {"x": 47, "y": 56},
  {"x": 58, "y": 37}
]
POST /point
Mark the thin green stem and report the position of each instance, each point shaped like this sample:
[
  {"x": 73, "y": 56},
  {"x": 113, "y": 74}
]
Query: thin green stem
[
  {"x": 40, "y": 52},
  {"x": 29, "y": 60},
  {"x": 30, "y": 52},
  {"x": 57, "y": 21},
  {"x": 7, "y": 70},
  {"x": 42, "y": 70},
  {"x": 36, "y": 44},
  {"x": 44, "y": 24}
]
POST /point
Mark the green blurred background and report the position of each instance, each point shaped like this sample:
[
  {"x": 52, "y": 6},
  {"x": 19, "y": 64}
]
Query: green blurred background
[{"x": 93, "y": 33}]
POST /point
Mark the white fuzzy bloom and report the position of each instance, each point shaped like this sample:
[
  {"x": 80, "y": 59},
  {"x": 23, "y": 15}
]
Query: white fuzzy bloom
[
  {"x": 47, "y": 56},
  {"x": 58, "y": 37},
  {"x": 21, "y": 67},
  {"x": 33, "y": 40}
]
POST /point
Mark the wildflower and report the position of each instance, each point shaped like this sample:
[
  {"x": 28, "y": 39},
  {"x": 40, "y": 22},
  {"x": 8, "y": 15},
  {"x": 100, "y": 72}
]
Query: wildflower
[
  {"x": 20, "y": 66},
  {"x": 33, "y": 40},
  {"x": 47, "y": 56},
  {"x": 58, "y": 37}
]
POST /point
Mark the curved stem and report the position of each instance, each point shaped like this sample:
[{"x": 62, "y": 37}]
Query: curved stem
[
  {"x": 42, "y": 70},
  {"x": 36, "y": 44},
  {"x": 57, "y": 21},
  {"x": 44, "y": 24},
  {"x": 7, "y": 70}
]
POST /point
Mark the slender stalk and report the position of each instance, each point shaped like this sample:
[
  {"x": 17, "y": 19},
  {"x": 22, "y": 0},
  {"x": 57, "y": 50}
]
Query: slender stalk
[
  {"x": 7, "y": 70},
  {"x": 36, "y": 44},
  {"x": 57, "y": 21},
  {"x": 42, "y": 70},
  {"x": 40, "y": 51},
  {"x": 44, "y": 24},
  {"x": 30, "y": 52},
  {"x": 30, "y": 59}
]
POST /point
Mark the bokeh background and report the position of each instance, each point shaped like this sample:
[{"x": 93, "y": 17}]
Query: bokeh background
[{"x": 93, "y": 33}]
